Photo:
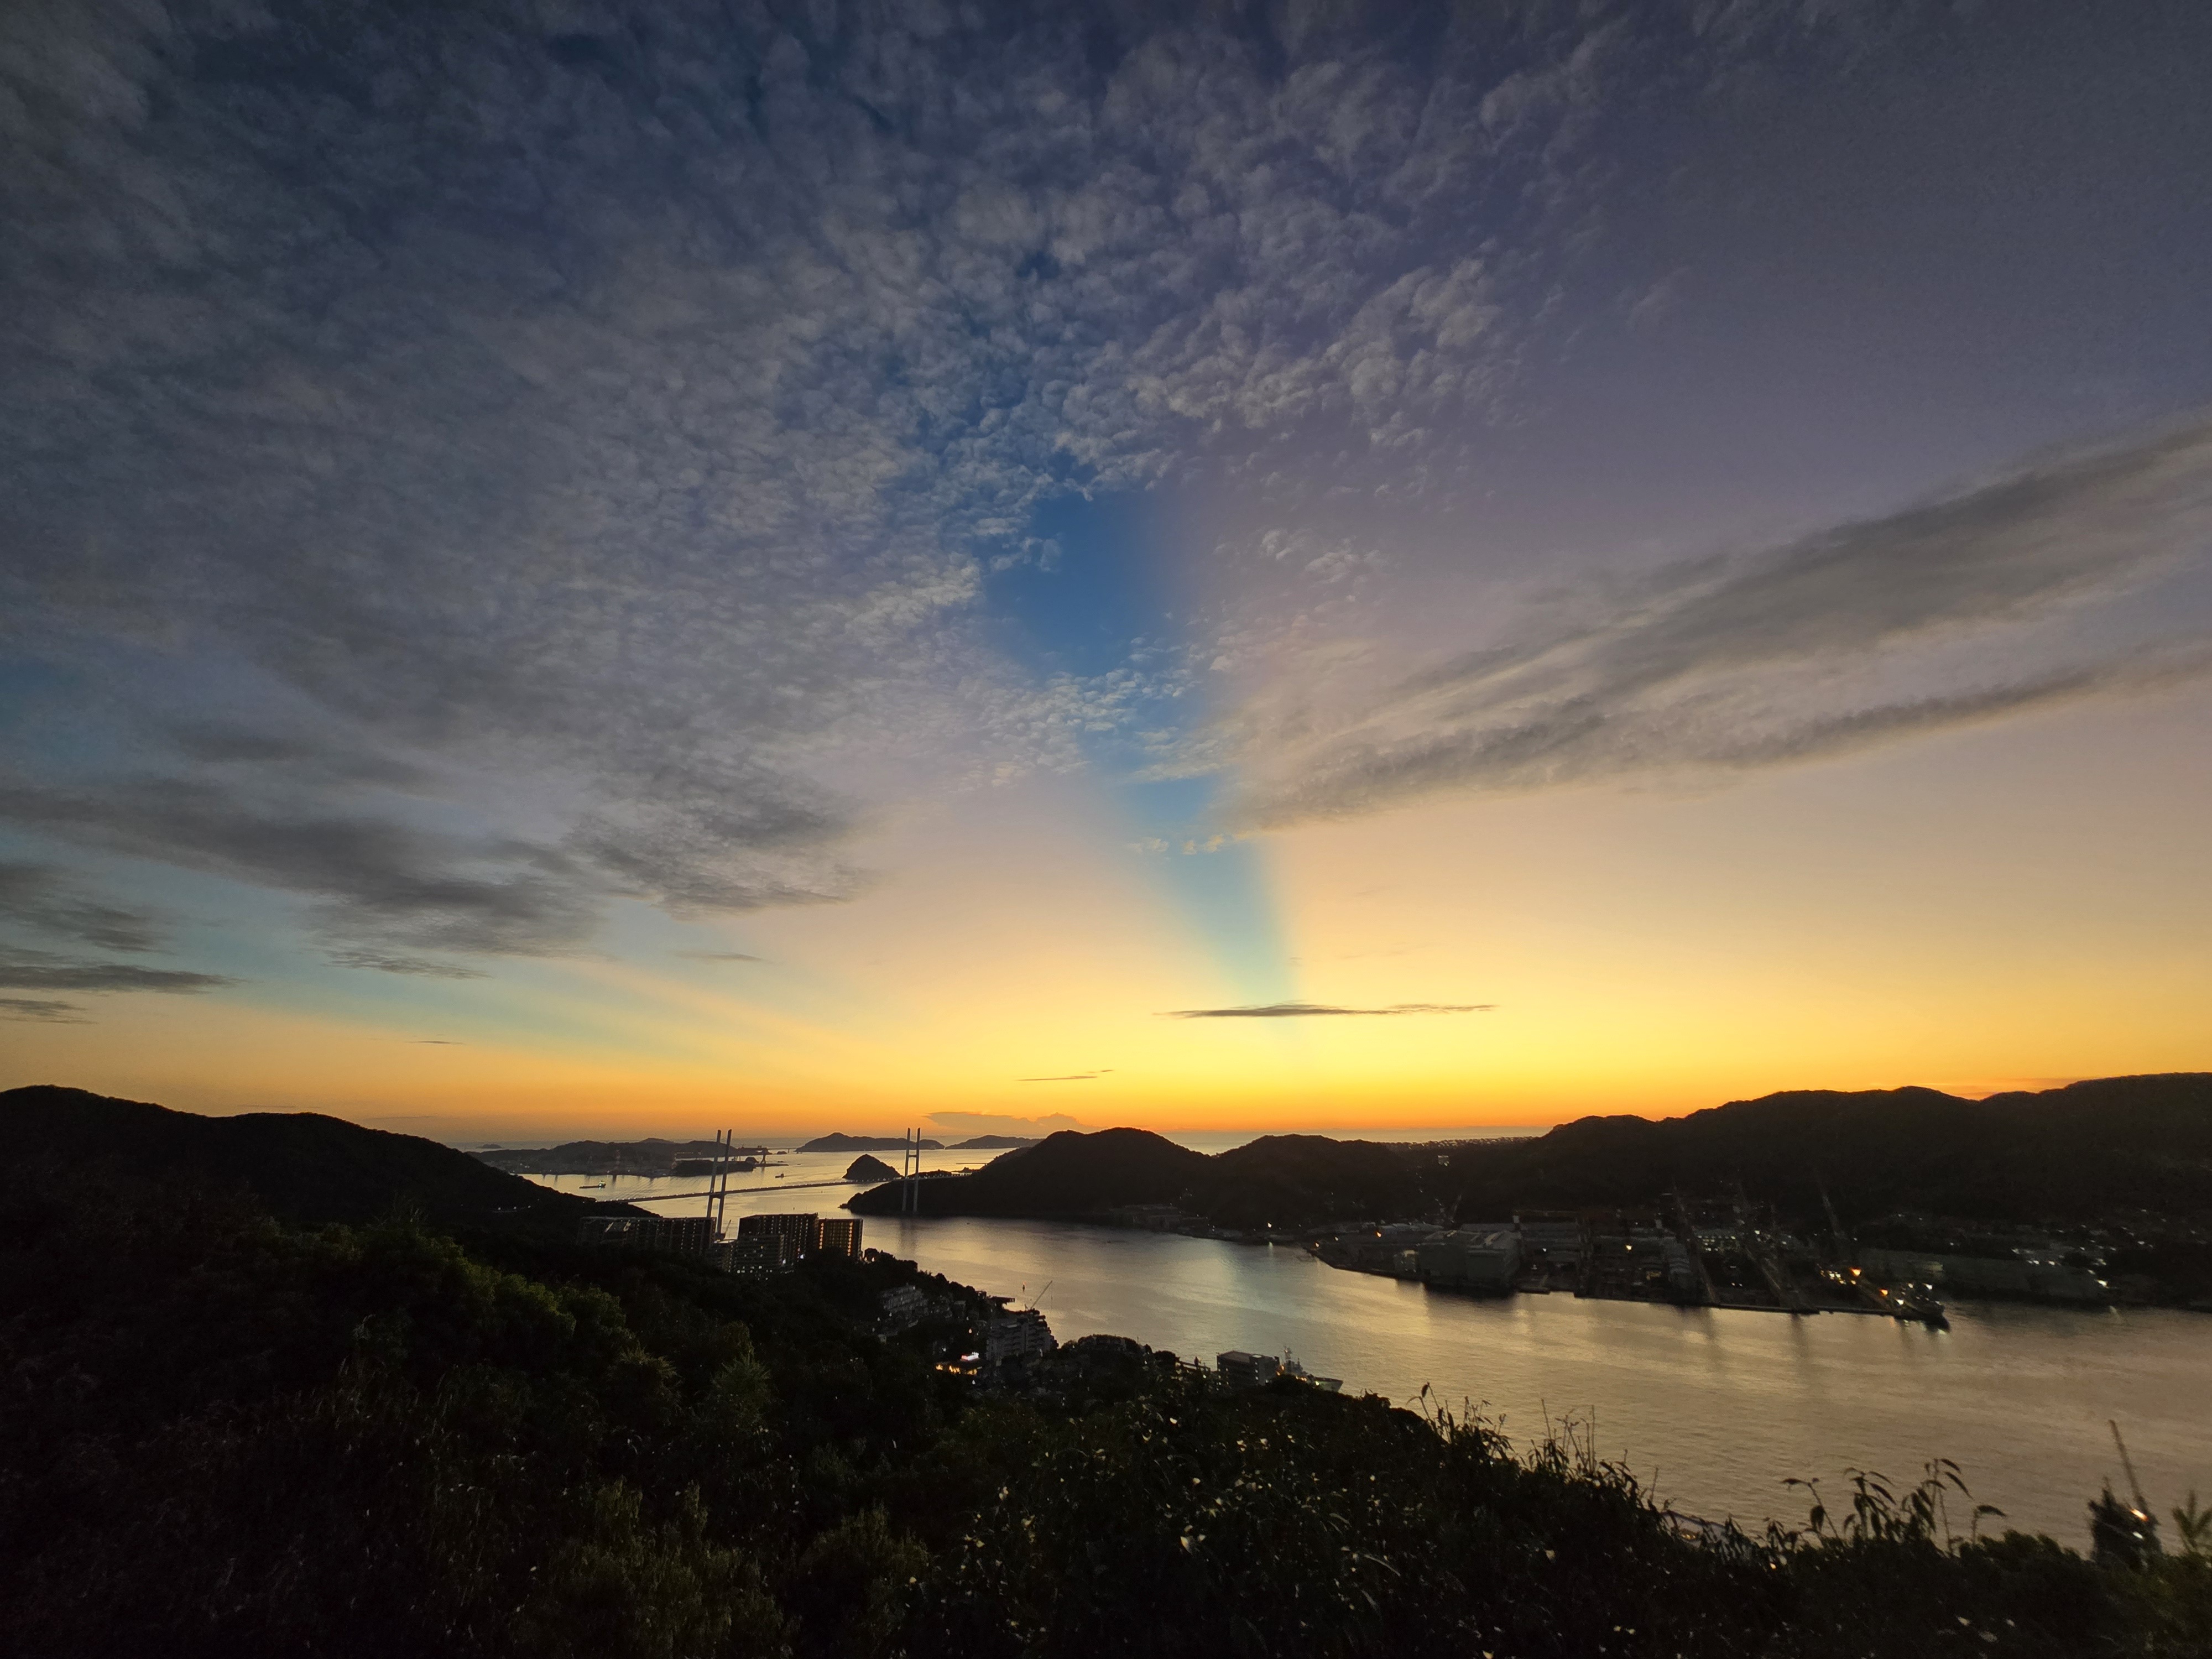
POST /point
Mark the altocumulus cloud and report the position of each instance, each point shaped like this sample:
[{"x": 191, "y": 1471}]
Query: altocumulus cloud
[
  {"x": 552, "y": 454},
  {"x": 491, "y": 469}
]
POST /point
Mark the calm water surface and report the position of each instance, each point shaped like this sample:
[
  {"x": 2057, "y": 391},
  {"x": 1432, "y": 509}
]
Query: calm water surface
[{"x": 1720, "y": 1406}]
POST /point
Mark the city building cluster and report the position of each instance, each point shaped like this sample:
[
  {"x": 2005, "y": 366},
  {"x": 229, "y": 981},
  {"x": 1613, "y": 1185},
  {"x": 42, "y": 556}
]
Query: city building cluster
[{"x": 763, "y": 1243}]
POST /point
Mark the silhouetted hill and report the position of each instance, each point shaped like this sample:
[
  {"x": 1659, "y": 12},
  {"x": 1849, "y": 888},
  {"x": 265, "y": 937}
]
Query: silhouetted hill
[
  {"x": 1292, "y": 1180},
  {"x": 1283, "y": 1179},
  {"x": 2088, "y": 1150},
  {"x": 843, "y": 1143},
  {"x": 302, "y": 1166},
  {"x": 2085, "y": 1150},
  {"x": 1064, "y": 1174},
  {"x": 867, "y": 1167}
]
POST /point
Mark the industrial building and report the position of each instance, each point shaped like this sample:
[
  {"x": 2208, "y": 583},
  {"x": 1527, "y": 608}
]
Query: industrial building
[
  {"x": 2024, "y": 1273},
  {"x": 1556, "y": 1237},
  {"x": 1486, "y": 1260}
]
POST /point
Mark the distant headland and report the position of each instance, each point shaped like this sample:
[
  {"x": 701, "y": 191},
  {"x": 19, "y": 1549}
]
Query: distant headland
[{"x": 2100, "y": 1191}]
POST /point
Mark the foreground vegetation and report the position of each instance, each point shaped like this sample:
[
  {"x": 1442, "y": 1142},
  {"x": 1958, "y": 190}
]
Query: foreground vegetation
[{"x": 226, "y": 1436}]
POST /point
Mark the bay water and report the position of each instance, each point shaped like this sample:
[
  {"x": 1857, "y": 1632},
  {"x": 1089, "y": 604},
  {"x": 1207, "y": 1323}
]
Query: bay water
[{"x": 1715, "y": 1408}]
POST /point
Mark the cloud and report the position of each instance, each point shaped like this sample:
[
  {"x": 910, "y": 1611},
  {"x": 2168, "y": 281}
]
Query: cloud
[
  {"x": 719, "y": 956},
  {"x": 1922, "y": 621},
  {"x": 1306, "y": 1009},
  {"x": 588, "y": 496},
  {"x": 37, "y": 970},
  {"x": 1070, "y": 1077},
  {"x": 40, "y": 896},
  {"x": 49, "y": 1013},
  {"x": 528, "y": 474},
  {"x": 384, "y": 961},
  {"x": 377, "y": 883}
]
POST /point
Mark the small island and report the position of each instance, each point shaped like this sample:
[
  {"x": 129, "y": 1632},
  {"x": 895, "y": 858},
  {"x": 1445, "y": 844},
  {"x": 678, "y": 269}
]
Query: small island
[{"x": 843, "y": 1143}]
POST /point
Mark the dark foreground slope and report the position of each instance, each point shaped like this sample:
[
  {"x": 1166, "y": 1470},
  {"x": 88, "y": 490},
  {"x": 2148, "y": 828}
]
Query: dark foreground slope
[
  {"x": 297, "y": 1166},
  {"x": 2079, "y": 1153},
  {"x": 224, "y": 1436}
]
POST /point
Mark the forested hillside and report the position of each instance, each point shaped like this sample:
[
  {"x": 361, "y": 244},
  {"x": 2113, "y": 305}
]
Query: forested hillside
[{"x": 224, "y": 1435}]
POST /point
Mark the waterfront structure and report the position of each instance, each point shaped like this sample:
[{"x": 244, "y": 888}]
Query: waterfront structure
[
  {"x": 1557, "y": 1238},
  {"x": 2024, "y": 1272},
  {"x": 1682, "y": 1281},
  {"x": 1158, "y": 1219},
  {"x": 1470, "y": 1259},
  {"x": 1240, "y": 1369}
]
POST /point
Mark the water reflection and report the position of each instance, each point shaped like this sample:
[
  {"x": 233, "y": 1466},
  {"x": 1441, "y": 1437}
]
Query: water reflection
[{"x": 1719, "y": 1405}]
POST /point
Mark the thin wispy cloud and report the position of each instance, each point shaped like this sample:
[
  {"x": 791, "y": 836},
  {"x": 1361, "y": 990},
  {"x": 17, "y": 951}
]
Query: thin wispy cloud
[
  {"x": 388, "y": 962},
  {"x": 1070, "y": 1077},
  {"x": 44, "y": 898},
  {"x": 1312, "y": 1010},
  {"x": 1904, "y": 626},
  {"x": 718, "y": 956},
  {"x": 42, "y": 1011},
  {"x": 39, "y": 970}
]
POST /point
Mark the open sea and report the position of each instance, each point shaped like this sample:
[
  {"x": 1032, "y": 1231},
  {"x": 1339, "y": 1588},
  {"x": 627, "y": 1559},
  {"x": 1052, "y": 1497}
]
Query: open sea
[{"x": 1715, "y": 1408}]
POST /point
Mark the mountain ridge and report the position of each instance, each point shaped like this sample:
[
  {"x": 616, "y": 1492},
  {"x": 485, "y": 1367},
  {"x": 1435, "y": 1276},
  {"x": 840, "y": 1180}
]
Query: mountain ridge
[
  {"x": 2068, "y": 1152},
  {"x": 303, "y": 1167}
]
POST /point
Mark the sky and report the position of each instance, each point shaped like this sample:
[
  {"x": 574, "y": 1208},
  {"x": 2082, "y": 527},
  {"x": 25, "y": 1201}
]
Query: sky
[{"x": 586, "y": 569}]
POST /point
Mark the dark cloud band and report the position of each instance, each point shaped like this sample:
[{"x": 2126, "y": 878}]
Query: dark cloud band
[
  {"x": 42, "y": 1011},
  {"x": 36, "y": 970}
]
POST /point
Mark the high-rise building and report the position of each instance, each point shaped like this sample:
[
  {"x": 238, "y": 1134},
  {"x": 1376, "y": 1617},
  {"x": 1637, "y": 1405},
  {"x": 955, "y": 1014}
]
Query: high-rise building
[
  {"x": 751, "y": 1254},
  {"x": 1016, "y": 1333},
  {"x": 799, "y": 1234},
  {"x": 903, "y": 1307},
  {"x": 686, "y": 1235},
  {"x": 840, "y": 1236}
]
